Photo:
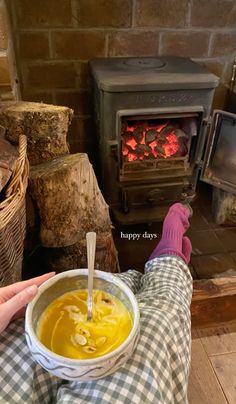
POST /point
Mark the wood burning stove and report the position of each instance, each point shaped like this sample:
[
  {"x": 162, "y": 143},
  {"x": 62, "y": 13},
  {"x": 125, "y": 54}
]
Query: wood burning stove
[{"x": 152, "y": 118}]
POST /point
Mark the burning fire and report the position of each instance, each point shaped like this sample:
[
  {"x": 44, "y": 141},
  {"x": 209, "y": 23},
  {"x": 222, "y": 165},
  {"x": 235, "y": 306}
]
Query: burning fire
[{"x": 146, "y": 141}]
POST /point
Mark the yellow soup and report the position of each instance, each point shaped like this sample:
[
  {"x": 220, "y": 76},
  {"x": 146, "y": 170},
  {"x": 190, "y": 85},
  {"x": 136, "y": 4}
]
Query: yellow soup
[{"x": 63, "y": 327}]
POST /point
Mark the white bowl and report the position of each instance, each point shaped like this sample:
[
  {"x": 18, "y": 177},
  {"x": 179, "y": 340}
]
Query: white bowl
[{"x": 80, "y": 369}]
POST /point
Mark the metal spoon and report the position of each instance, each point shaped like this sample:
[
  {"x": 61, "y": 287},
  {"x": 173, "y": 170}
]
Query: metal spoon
[{"x": 91, "y": 247}]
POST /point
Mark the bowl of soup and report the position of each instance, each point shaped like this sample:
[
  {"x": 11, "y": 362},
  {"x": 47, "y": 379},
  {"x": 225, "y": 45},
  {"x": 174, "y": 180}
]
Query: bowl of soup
[{"x": 68, "y": 345}]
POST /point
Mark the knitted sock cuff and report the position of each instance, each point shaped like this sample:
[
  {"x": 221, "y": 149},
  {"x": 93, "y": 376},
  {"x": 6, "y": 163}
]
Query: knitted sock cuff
[{"x": 169, "y": 251}]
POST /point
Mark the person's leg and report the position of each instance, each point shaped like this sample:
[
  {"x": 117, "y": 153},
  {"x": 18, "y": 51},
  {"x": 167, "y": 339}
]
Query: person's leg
[
  {"x": 157, "y": 372},
  {"x": 132, "y": 279},
  {"x": 164, "y": 299},
  {"x": 173, "y": 241},
  {"x": 21, "y": 379}
]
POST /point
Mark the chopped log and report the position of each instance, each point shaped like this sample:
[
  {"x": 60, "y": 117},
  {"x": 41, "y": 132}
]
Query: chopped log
[
  {"x": 75, "y": 256},
  {"x": 213, "y": 302},
  {"x": 5, "y": 175},
  {"x": 44, "y": 125},
  {"x": 69, "y": 200},
  {"x": 8, "y": 157},
  {"x": 32, "y": 226}
]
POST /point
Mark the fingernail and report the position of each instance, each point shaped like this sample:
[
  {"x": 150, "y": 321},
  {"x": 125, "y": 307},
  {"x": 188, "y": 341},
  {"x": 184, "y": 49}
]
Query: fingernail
[{"x": 32, "y": 289}]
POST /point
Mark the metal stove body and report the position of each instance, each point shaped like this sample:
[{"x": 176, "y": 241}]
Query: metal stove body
[{"x": 151, "y": 117}]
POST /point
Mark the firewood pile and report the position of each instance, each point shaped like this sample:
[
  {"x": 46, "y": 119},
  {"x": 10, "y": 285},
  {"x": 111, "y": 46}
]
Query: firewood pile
[
  {"x": 8, "y": 157},
  {"x": 64, "y": 201}
]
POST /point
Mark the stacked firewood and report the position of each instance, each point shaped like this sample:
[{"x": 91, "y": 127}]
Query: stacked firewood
[
  {"x": 64, "y": 201},
  {"x": 8, "y": 157}
]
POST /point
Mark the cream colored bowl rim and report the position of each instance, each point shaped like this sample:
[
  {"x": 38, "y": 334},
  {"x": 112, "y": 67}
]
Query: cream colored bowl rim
[{"x": 97, "y": 274}]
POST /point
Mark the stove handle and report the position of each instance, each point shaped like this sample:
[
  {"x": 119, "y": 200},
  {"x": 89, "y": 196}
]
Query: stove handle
[
  {"x": 206, "y": 123},
  {"x": 114, "y": 150},
  {"x": 124, "y": 201}
]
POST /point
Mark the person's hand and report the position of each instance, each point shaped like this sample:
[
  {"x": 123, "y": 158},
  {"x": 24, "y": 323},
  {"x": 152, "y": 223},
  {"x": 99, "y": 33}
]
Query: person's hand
[{"x": 13, "y": 298}]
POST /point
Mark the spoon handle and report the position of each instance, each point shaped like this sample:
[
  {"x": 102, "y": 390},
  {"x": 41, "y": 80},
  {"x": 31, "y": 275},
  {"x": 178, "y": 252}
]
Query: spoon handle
[{"x": 91, "y": 247}]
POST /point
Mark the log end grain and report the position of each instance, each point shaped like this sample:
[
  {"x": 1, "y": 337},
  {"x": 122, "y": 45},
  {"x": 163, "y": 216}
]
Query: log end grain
[{"x": 45, "y": 126}]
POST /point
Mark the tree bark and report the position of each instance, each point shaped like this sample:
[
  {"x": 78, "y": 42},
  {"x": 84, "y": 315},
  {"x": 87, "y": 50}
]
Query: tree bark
[
  {"x": 75, "y": 256},
  {"x": 69, "y": 200}
]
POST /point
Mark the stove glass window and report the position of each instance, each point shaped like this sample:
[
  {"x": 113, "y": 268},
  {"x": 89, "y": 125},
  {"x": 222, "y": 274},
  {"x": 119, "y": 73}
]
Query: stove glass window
[{"x": 223, "y": 152}]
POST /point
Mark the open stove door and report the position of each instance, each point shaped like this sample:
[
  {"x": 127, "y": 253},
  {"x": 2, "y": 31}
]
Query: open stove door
[{"x": 219, "y": 163}]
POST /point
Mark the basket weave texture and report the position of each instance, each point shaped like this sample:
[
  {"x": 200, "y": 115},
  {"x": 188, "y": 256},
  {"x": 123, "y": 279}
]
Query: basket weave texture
[{"x": 13, "y": 220}]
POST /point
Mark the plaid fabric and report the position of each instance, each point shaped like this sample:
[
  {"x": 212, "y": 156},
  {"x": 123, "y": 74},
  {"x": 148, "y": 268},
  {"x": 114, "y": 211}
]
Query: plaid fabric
[{"x": 156, "y": 373}]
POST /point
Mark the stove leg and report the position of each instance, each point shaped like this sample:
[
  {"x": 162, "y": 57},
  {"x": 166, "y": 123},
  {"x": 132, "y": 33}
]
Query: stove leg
[{"x": 124, "y": 202}]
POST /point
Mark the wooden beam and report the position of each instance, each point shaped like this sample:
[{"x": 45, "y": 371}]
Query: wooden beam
[
  {"x": 213, "y": 302},
  {"x": 211, "y": 288}
]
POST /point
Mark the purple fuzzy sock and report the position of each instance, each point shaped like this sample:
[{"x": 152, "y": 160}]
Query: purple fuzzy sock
[{"x": 173, "y": 241}]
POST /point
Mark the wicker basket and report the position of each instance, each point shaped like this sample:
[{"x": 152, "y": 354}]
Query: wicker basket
[{"x": 13, "y": 220}]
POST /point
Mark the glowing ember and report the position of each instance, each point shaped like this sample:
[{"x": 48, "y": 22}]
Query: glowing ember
[
  {"x": 160, "y": 127},
  {"x": 145, "y": 140},
  {"x": 153, "y": 144},
  {"x": 125, "y": 151},
  {"x": 130, "y": 128},
  {"x": 132, "y": 157},
  {"x": 172, "y": 146},
  {"x": 132, "y": 143}
]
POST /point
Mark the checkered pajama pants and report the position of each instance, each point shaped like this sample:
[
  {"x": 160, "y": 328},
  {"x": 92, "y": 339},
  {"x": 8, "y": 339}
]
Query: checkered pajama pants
[{"x": 156, "y": 373}]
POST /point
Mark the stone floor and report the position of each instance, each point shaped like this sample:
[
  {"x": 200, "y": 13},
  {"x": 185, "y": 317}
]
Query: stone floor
[{"x": 214, "y": 247}]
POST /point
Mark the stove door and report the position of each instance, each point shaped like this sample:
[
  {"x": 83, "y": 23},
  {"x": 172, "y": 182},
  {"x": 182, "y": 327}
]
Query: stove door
[{"x": 219, "y": 164}]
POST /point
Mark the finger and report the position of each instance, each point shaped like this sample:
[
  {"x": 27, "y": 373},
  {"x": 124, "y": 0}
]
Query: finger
[
  {"x": 17, "y": 302},
  {"x": 15, "y": 288}
]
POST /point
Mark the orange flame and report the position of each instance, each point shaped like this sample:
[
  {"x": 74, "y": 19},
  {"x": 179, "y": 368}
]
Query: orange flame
[
  {"x": 172, "y": 146},
  {"x": 132, "y": 143}
]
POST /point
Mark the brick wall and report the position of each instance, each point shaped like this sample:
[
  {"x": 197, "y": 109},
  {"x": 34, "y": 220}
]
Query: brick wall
[
  {"x": 6, "y": 56},
  {"x": 54, "y": 39}
]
